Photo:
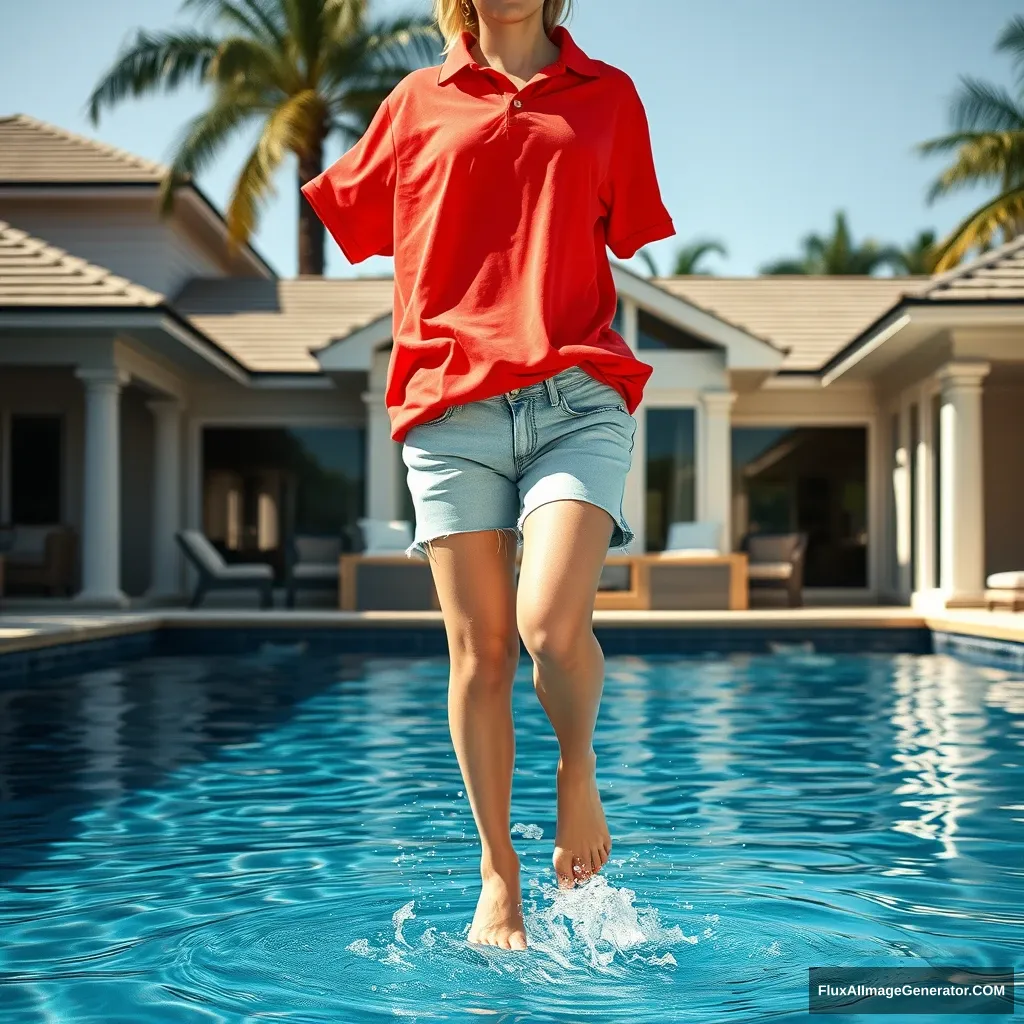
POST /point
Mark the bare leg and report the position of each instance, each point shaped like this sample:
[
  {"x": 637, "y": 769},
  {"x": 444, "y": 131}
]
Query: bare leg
[
  {"x": 564, "y": 547},
  {"x": 474, "y": 575}
]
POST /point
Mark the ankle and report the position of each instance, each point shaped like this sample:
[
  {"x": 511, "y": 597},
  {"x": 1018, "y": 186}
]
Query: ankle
[
  {"x": 502, "y": 863},
  {"x": 577, "y": 763}
]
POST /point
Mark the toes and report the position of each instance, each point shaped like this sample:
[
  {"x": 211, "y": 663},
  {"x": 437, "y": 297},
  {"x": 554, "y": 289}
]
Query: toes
[
  {"x": 517, "y": 941},
  {"x": 595, "y": 860},
  {"x": 581, "y": 869},
  {"x": 563, "y": 865}
]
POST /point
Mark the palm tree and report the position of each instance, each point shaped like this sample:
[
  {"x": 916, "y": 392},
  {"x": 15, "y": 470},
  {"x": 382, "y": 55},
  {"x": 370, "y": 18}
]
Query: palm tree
[
  {"x": 301, "y": 69},
  {"x": 987, "y": 143},
  {"x": 689, "y": 258},
  {"x": 837, "y": 254},
  {"x": 920, "y": 256}
]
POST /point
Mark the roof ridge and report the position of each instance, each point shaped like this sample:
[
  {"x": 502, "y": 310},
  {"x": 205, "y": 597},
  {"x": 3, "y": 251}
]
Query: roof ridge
[
  {"x": 980, "y": 262},
  {"x": 140, "y": 162},
  {"x": 92, "y": 272}
]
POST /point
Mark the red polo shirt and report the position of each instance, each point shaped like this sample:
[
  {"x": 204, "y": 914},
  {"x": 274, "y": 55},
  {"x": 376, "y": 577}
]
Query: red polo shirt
[{"x": 498, "y": 206}]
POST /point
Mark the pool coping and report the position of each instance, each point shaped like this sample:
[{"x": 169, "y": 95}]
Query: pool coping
[{"x": 32, "y": 632}]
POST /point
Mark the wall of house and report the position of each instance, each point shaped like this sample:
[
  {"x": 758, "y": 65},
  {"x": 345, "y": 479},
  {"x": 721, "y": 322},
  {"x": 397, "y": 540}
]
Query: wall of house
[
  {"x": 1003, "y": 425},
  {"x": 125, "y": 236}
]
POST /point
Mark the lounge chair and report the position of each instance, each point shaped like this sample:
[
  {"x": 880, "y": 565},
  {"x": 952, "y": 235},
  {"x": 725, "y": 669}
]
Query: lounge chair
[
  {"x": 1005, "y": 588},
  {"x": 313, "y": 565},
  {"x": 216, "y": 574},
  {"x": 777, "y": 562},
  {"x": 40, "y": 558}
]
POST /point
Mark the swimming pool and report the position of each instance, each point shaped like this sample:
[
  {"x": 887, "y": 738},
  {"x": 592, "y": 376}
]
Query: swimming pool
[{"x": 284, "y": 836}]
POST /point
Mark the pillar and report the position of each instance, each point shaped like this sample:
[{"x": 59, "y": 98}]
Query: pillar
[
  {"x": 166, "y": 582},
  {"x": 634, "y": 499},
  {"x": 714, "y": 496},
  {"x": 383, "y": 458},
  {"x": 101, "y": 513},
  {"x": 962, "y": 483}
]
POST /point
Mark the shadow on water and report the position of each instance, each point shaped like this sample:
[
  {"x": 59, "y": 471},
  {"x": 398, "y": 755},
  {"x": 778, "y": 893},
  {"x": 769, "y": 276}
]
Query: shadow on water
[{"x": 71, "y": 743}]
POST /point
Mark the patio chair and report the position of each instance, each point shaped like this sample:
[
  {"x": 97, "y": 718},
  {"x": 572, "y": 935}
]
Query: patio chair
[
  {"x": 40, "y": 557},
  {"x": 313, "y": 565},
  {"x": 692, "y": 540},
  {"x": 1005, "y": 588},
  {"x": 385, "y": 536},
  {"x": 216, "y": 574},
  {"x": 776, "y": 561}
]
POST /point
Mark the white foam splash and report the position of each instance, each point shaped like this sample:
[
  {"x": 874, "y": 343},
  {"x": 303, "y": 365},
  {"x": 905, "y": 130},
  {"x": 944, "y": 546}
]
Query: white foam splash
[
  {"x": 398, "y": 919},
  {"x": 605, "y": 920},
  {"x": 527, "y": 831},
  {"x": 362, "y": 947}
]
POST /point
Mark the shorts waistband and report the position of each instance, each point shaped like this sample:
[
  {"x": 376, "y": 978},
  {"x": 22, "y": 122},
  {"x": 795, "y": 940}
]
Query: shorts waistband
[{"x": 550, "y": 385}]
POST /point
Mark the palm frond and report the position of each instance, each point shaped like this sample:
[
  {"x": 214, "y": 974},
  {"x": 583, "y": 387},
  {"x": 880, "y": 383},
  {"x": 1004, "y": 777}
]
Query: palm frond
[
  {"x": 689, "y": 257},
  {"x": 259, "y": 19},
  {"x": 648, "y": 261},
  {"x": 1001, "y": 216},
  {"x": 202, "y": 140},
  {"x": 308, "y": 33},
  {"x": 409, "y": 42},
  {"x": 153, "y": 62},
  {"x": 992, "y": 158},
  {"x": 982, "y": 106},
  {"x": 1011, "y": 41},
  {"x": 254, "y": 66},
  {"x": 778, "y": 268},
  {"x": 289, "y": 129}
]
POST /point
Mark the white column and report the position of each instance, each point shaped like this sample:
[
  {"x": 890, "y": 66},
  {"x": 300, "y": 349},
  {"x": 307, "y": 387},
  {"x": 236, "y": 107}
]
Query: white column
[
  {"x": 101, "y": 519},
  {"x": 962, "y": 483},
  {"x": 634, "y": 499},
  {"x": 383, "y": 459},
  {"x": 714, "y": 494},
  {"x": 925, "y": 560},
  {"x": 166, "y": 581}
]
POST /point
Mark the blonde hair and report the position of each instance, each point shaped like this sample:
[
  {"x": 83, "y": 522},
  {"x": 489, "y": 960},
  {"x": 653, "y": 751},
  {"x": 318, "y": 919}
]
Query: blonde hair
[{"x": 452, "y": 19}]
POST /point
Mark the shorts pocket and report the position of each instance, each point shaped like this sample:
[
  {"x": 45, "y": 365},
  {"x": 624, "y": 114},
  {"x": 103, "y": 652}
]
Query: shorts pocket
[
  {"x": 591, "y": 398},
  {"x": 439, "y": 419}
]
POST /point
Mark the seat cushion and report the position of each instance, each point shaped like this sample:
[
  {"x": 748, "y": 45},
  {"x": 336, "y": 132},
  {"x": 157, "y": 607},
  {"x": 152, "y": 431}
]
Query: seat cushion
[
  {"x": 771, "y": 548},
  {"x": 770, "y": 570},
  {"x": 1006, "y": 581},
  {"x": 319, "y": 550},
  {"x": 29, "y": 545},
  {"x": 690, "y": 553},
  {"x": 385, "y": 536},
  {"x": 691, "y": 537},
  {"x": 316, "y": 571},
  {"x": 203, "y": 551},
  {"x": 246, "y": 573}
]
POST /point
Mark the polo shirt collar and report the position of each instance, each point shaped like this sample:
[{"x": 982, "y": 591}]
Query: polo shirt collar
[{"x": 569, "y": 55}]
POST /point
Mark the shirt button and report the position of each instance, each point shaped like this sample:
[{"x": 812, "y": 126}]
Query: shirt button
[
  {"x": 517, "y": 104},
  {"x": 514, "y": 391}
]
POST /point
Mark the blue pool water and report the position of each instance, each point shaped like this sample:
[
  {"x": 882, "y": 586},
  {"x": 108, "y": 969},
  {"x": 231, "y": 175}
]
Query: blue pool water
[{"x": 284, "y": 837}]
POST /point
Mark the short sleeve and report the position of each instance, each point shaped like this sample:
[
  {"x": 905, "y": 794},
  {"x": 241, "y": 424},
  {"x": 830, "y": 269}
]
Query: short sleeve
[
  {"x": 636, "y": 213},
  {"x": 355, "y": 196}
]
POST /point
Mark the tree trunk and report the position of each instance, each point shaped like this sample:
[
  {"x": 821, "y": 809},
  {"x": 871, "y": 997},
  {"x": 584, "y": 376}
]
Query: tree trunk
[{"x": 311, "y": 230}]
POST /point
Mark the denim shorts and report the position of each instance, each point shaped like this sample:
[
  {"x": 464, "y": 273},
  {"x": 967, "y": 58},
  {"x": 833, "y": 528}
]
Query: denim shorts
[{"x": 487, "y": 465}]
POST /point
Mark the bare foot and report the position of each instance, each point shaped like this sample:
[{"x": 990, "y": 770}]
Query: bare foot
[
  {"x": 498, "y": 920},
  {"x": 582, "y": 841}
]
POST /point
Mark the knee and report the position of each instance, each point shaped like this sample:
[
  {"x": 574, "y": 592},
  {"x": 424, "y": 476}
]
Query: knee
[
  {"x": 554, "y": 643},
  {"x": 484, "y": 664}
]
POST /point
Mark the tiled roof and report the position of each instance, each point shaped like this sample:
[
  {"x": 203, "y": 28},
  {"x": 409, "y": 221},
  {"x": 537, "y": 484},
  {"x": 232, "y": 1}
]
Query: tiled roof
[
  {"x": 34, "y": 274},
  {"x": 271, "y": 326},
  {"x": 811, "y": 318},
  {"x": 34, "y": 151},
  {"x": 998, "y": 274}
]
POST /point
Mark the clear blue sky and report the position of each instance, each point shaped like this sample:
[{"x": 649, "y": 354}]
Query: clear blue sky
[{"x": 767, "y": 115}]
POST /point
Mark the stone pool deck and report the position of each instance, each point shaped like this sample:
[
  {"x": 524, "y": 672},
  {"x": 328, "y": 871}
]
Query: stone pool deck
[{"x": 38, "y": 630}]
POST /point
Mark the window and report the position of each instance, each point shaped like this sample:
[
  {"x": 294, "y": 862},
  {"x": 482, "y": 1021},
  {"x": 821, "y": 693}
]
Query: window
[
  {"x": 36, "y": 463},
  {"x": 915, "y": 441},
  {"x": 263, "y": 485},
  {"x": 811, "y": 480},
  {"x": 671, "y": 470},
  {"x": 653, "y": 333},
  {"x": 937, "y": 479}
]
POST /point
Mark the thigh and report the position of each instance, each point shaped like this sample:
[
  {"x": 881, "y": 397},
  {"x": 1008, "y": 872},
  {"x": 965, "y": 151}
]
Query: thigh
[
  {"x": 474, "y": 574},
  {"x": 564, "y": 547}
]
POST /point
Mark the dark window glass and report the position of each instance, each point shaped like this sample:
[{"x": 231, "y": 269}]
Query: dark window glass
[
  {"x": 810, "y": 480},
  {"x": 36, "y": 470},
  {"x": 937, "y": 474},
  {"x": 671, "y": 471},
  {"x": 653, "y": 333},
  {"x": 264, "y": 485},
  {"x": 915, "y": 440},
  {"x": 618, "y": 321}
]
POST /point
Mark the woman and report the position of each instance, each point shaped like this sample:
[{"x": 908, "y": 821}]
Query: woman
[{"x": 497, "y": 181}]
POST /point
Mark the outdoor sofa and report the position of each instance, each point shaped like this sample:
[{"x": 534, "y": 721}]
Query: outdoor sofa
[
  {"x": 776, "y": 562},
  {"x": 39, "y": 558},
  {"x": 1005, "y": 589}
]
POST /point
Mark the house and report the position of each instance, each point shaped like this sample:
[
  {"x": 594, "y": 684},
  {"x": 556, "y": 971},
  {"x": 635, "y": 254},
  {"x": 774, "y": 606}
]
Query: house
[{"x": 153, "y": 376}]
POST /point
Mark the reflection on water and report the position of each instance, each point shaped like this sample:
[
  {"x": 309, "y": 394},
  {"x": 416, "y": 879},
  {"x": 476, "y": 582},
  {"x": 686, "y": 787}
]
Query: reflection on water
[{"x": 283, "y": 835}]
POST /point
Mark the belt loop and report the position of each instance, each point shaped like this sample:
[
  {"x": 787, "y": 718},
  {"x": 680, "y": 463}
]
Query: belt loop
[{"x": 552, "y": 390}]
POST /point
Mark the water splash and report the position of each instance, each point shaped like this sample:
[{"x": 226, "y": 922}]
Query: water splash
[{"x": 527, "y": 831}]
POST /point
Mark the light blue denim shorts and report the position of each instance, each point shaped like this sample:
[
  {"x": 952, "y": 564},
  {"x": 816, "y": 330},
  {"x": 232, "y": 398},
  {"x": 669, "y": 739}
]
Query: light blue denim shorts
[{"x": 487, "y": 465}]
